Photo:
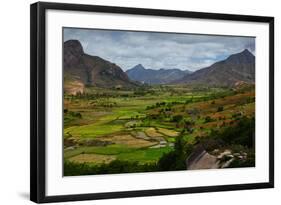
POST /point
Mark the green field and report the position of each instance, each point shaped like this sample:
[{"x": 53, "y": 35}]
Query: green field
[{"x": 104, "y": 127}]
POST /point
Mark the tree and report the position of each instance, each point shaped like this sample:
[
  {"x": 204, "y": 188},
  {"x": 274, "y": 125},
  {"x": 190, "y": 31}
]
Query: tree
[{"x": 175, "y": 160}]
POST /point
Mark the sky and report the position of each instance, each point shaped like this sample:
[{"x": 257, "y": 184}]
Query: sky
[{"x": 158, "y": 50}]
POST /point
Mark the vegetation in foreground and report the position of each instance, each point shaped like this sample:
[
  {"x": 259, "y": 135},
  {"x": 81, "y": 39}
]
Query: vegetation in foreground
[{"x": 156, "y": 128}]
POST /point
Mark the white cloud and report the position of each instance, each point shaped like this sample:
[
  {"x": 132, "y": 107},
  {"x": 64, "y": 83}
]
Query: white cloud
[{"x": 158, "y": 50}]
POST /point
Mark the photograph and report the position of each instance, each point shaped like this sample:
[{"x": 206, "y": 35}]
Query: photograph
[
  {"x": 144, "y": 101},
  {"x": 135, "y": 102}
]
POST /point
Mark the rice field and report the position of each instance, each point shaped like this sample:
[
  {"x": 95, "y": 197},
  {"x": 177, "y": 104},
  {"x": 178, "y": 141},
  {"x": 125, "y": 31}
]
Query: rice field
[{"x": 99, "y": 130}]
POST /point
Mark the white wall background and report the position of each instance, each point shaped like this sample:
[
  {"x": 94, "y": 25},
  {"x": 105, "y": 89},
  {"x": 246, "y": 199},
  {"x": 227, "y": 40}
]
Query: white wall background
[{"x": 14, "y": 101}]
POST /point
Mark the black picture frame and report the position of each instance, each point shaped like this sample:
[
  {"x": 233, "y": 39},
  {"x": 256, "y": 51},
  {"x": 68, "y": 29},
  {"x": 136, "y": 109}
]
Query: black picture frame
[{"x": 38, "y": 103}]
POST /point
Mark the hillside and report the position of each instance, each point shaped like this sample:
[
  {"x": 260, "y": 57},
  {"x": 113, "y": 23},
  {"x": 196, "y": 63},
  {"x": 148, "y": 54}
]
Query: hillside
[
  {"x": 239, "y": 67},
  {"x": 83, "y": 69}
]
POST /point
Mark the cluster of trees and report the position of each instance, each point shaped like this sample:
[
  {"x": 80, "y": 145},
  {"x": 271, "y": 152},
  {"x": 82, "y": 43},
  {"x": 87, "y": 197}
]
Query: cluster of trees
[
  {"x": 92, "y": 96},
  {"x": 114, "y": 167},
  {"x": 107, "y": 104},
  {"x": 176, "y": 159},
  {"x": 167, "y": 105},
  {"x": 243, "y": 133},
  {"x": 143, "y": 90},
  {"x": 190, "y": 100}
]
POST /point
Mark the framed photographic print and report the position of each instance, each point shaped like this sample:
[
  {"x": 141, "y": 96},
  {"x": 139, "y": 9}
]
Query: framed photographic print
[{"x": 129, "y": 102}]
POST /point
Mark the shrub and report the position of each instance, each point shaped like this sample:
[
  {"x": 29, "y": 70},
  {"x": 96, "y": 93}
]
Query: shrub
[
  {"x": 177, "y": 118},
  {"x": 208, "y": 119},
  {"x": 220, "y": 108}
]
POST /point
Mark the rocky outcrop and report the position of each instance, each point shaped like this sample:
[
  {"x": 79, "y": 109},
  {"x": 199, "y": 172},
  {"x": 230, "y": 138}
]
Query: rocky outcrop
[
  {"x": 201, "y": 159},
  {"x": 90, "y": 70}
]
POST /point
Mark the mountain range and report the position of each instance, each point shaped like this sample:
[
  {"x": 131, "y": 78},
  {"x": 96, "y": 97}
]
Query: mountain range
[
  {"x": 239, "y": 67},
  {"x": 81, "y": 69},
  {"x": 151, "y": 76}
]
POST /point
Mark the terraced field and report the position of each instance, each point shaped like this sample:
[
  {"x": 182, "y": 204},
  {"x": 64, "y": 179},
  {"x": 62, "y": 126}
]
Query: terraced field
[{"x": 103, "y": 126}]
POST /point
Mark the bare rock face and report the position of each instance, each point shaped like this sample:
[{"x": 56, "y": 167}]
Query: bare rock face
[
  {"x": 81, "y": 69},
  {"x": 201, "y": 159},
  {"x": 73, "y": 51}
]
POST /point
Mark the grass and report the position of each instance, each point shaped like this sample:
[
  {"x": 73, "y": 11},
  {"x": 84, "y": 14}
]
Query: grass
[
  {"x": 128, "y": 140},
  {"x": 90, "y": 158},
  {"x": 93, "y": 130},
  {"x": 167, "y": 132},
  {"x": 108, "y": 150},
  {"x": 144, "y": 156},
  {"x": 151, "y": 132},
  {"x": 96, "y": 154}
]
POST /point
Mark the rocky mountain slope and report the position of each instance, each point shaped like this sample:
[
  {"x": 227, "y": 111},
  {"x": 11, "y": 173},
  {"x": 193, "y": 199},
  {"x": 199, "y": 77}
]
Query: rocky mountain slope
[
  {"x": 239, "y": 67},
  {"x": 83, "y": 69}
]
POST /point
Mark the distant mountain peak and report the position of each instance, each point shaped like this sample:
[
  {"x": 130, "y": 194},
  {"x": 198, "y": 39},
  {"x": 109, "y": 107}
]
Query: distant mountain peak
[
  {"x": 139, "y": 67},
  {"x": 152, "y": 76},
  {"x": 245, "y": 57},
  {"x": 246, "y": 51}
]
